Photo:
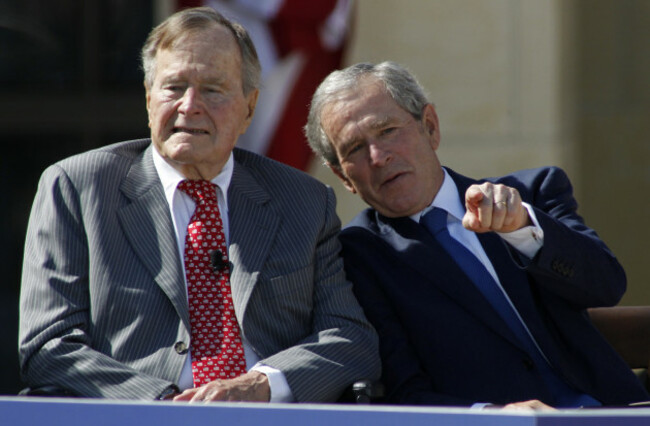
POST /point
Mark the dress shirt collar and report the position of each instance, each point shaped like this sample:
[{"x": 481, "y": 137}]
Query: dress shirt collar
[
  {"x": 447, "y": 199},
  {"x": 170, "y": 177}
]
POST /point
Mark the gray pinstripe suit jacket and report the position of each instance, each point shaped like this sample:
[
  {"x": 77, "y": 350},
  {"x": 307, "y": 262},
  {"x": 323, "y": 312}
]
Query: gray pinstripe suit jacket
[{"x": 103, "y": 301}]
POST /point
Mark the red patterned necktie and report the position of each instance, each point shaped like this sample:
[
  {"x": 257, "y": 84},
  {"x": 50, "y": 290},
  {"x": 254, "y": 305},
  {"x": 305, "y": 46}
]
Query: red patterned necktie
[{"x": 217, "y": 350}]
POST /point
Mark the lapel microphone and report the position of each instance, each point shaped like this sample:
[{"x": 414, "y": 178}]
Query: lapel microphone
[{"x": 216, "y": 259}]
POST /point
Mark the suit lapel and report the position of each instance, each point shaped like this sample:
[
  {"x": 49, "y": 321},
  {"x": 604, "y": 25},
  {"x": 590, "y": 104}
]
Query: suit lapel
[
  {"x": 513, "y": 279},
  {"x": 253, "y": 227},
  {"x": 417, "y": 249},
  {"x": 516, "y": 283},
  {"x": 148, "y": 226},
  {"x": 510, "y": 275}
]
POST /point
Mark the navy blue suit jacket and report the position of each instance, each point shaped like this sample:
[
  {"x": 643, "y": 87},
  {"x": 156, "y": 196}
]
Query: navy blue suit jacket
[{"x": 440, "y": 340}]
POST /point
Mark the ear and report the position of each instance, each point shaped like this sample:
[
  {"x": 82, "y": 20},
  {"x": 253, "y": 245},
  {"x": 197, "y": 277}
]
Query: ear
[
  {"x": 251, "y": 99},
  {"x": 148, "y": 99},
  {"x": 339, "y": 173},
  {"x": 431, "y": 125}
]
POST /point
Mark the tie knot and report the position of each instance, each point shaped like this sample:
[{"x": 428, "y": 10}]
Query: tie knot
[
  {"x": 435, "y": 220},
  {"x": 199, "y": 190}
]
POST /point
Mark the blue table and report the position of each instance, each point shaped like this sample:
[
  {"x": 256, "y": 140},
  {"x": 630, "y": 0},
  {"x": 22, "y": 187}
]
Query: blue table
[{"x": 18, "y": 411}]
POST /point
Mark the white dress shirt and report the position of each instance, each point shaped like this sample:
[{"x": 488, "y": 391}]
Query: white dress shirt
[{"x": 182, "y": 208}]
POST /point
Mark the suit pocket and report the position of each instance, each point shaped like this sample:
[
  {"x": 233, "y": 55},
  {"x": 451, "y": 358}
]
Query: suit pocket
[
  {"x": 295, "y": 286},
  {"x": 282, "y": 308}
]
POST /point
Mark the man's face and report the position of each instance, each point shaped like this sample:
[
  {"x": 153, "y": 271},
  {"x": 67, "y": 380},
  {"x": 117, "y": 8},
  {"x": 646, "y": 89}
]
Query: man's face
[
  {"x": 196, "y": 105},
  {"x": 385, "y": 155}
]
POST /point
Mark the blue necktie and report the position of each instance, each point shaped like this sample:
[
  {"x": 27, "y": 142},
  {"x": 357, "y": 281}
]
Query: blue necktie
[{"x": 436, "y": 222}]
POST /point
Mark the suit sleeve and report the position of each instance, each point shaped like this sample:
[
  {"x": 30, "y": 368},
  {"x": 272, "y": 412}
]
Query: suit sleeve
[
  {"x": 574, "y": 263},
  {"x": 56, "y": 342},
  {"x": 341, "y": 346}
]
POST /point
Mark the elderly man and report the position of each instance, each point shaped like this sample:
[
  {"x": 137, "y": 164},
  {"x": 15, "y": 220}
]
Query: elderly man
[
  {"x": 181, "y": 267},
  {"x": 477, "y": 289}
]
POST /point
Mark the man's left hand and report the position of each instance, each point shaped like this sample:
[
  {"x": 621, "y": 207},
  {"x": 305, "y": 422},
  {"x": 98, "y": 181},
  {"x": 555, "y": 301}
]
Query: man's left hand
[
  {"x": 252, "y": 386},
  {"x": 494, "y": 207}
]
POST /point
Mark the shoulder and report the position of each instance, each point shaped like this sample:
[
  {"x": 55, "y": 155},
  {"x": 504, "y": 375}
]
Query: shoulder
[
  {"x": 535, "y": 182},
  {"x": 367, "y": 219},
  {"x": 534, "y": 177},
  {"x": 124, "y": 150},
  {"x": 107, "y": 164},
  {"x": 276, "y": 178},
  {"x": 121, "y": 152},
  {"x": 361, "y": 228},
  {"x": 546, "y": 188}
]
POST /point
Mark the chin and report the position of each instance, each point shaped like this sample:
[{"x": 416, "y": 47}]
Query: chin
[
  {"x": 401, "y": 210},
  {"x": 179, "y": 143},
  {"x": 180, "y": 153}
]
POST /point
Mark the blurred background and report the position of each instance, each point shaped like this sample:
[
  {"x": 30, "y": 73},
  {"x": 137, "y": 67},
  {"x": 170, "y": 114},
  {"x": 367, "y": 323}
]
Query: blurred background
[{"x": 517, "y": 84}]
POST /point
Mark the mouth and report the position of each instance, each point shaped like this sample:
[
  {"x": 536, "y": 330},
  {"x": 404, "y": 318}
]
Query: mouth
[
  {"x": 392, "y": 178},
  {"x": 189, "y": 130}
]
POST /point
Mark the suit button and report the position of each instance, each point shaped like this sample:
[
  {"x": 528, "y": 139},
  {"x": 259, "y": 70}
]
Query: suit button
[
  {"x": 180, "y": 348},
  {"x": 528, "y": 363},
  {"x": 562, "y": 268}
]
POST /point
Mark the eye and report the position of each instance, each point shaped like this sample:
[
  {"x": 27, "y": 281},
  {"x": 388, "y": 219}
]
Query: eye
[
  {"x": 352, "y": 149},
  {"x": 173, "y": 88},
  {"x": 387, "y": 131}
]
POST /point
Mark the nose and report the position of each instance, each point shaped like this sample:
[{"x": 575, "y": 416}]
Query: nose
[
  {"x": 190, "y": 103},
  {"x": 379, "y": 154}
]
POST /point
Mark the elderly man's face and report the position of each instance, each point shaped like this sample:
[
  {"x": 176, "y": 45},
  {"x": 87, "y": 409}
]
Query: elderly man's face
[
  {"x": 385, "y": 155},
  {"x": 196, "y": 105}
]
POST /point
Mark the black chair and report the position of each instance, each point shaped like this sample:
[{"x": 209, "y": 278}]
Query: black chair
[
  {"x": 627, "y": 329},
  {"x": 363, "y": 392}
]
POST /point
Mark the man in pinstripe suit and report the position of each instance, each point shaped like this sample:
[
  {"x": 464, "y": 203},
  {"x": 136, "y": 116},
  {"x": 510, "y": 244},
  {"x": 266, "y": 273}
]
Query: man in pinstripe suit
[{"x": 104, "y": 309}]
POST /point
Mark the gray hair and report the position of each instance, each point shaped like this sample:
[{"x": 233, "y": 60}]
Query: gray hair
[
  {"x": 400, "y": 84},
  {"x": 194, "y": 20}
]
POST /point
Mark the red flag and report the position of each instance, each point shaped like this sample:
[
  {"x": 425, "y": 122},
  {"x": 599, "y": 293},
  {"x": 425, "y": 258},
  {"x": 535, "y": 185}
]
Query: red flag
[{"x": 299, "y": 42}]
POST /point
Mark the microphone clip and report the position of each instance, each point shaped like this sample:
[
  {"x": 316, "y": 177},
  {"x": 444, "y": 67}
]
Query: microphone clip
[{"x": 217, "y": 261}]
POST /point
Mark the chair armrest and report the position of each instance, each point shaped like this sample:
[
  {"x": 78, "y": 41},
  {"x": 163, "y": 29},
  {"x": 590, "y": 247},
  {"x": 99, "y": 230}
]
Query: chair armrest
[
  {"x": 46, "y": 390},
  {"x": 363, "y": 392},
  {"x": 627, "y": 329}
]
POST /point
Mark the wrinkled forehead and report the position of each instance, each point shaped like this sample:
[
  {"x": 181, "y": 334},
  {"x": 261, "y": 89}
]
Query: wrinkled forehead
[
  {"x": 174, "y": 30},
  {"x": 214, "y": 45},
  {"x": 217, "y": 35}
]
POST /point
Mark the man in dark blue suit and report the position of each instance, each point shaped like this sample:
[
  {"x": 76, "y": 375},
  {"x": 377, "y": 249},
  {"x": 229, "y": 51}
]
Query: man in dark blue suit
[{"x": 488, "y": 308}]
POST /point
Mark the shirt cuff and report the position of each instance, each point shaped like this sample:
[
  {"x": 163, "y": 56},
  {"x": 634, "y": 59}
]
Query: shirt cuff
[
  {"x": 280, "y": 390},
  {"x": 529, "y": 239},
  {"x": 168, "y": 393},
  {"x": 480, "y": 405}
]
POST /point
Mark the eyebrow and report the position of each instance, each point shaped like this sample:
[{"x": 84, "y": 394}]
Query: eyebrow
[
  {"x": 383, "y": 122},
  {"x": 374, "y": 125},
  {"x": 181, "y": 76},
  {"x": 347, "y": 144}
]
